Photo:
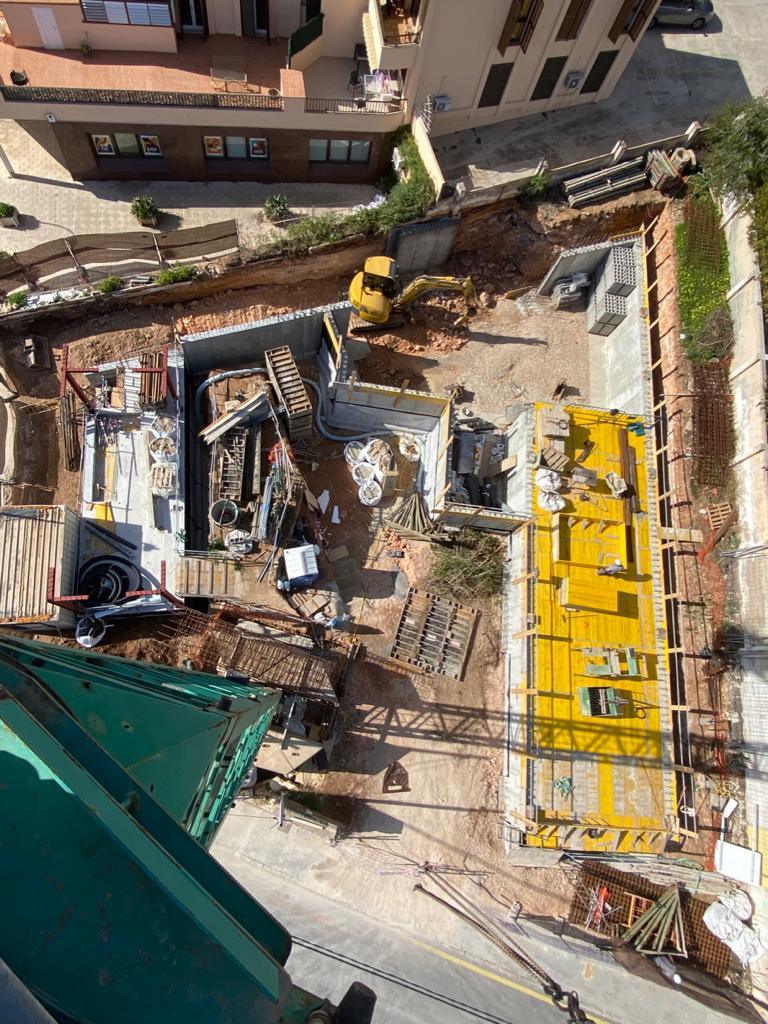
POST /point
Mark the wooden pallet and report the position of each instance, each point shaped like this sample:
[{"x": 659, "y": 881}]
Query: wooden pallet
[
  {"x": 434, "y": 634},
  {"x": 717, "y": 514},
  {"x": 289, "y": 388}
]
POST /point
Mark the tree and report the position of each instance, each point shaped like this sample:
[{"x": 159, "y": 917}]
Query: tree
[{"x": 736, "y": 158}]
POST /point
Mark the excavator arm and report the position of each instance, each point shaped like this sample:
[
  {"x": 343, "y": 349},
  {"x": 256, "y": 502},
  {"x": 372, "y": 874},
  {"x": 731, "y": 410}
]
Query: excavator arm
[{"x": 427, "y": 283}]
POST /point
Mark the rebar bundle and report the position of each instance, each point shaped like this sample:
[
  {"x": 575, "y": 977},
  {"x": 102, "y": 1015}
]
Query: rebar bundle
[{"x": 410, "y": 514}]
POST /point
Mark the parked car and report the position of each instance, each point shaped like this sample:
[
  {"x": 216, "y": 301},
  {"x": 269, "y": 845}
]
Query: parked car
[{"x": 690, "y": 13}]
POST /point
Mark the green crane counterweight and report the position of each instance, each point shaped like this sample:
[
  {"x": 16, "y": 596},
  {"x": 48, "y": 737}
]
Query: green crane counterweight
[{"x": 121, "y": 915}]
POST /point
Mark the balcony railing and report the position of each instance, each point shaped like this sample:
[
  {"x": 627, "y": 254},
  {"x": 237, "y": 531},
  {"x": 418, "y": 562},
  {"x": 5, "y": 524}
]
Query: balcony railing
[
  {"x": 401, "y": 38},
  {"x": 132, "y": 97},
  {"x": 352, "y": 106}
]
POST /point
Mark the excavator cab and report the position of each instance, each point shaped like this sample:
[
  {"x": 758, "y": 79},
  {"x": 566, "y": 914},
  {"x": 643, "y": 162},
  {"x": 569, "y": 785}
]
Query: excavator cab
[{"x": 373, "y": 289}]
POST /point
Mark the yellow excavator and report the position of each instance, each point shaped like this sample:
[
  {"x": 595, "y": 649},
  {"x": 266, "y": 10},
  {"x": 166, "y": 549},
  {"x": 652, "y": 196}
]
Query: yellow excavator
[{"x": 379, "y": 301}]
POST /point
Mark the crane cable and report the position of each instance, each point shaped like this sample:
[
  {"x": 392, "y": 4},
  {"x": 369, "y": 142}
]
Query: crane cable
[{"x": 568, "y": 1002}]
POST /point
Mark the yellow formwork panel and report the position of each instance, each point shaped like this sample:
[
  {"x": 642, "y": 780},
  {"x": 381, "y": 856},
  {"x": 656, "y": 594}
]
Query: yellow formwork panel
[{"x": 605, "y": 774}]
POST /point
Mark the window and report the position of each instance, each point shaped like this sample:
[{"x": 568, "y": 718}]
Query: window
[
  {"x": 574, "y": 19},
  {"x": 234, "y": 147},
  {"x": 126, "y": 144},
  {"x": 601, "y": 67},
  {"x": 115, "y": 12},
  {"x": 521, "y": 21},
  {"x": 549, "y": 77},
  {"x": 495, "y": 84},
  {"x": 631, "y": 19},
  {"x": 339, "y": 151}
]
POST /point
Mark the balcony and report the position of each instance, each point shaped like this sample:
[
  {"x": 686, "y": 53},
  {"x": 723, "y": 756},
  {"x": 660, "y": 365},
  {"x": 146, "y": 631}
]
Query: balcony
[
  {"x": 224, "y": 72},
  {"x": 328, "y": 89},
  {"x": 391, "y": 38}
]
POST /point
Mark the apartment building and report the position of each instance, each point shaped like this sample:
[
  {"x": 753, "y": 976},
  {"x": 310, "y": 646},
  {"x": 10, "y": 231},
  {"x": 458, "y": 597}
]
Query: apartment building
[{"x": 292, "y": 90}]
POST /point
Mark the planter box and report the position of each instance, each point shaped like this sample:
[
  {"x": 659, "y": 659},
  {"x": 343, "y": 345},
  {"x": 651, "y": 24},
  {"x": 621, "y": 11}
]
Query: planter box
[
  {"x": 11, "y": 221},
  {"x": 150, "y": 222}
]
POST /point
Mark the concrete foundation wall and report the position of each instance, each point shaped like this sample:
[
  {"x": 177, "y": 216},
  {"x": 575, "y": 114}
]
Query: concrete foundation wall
[
  {"x": 245, "y": 344},
  {"x": 748, "y": 383}
]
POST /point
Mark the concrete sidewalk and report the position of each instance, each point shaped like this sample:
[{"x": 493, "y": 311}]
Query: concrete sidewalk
[
  {"x": 675, "y": 77},
  {"x": 52, "y": 205}
]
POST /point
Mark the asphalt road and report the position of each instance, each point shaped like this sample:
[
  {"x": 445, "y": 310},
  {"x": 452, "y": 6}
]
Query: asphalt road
[{"x": 416, "y": 983}]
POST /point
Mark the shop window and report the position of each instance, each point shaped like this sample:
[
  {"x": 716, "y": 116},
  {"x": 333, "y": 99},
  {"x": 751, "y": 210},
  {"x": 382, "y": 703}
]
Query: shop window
[
  {"x": 235, "y": 147},
  {"x": 127, "y": 144},
  {"x": 339, "y": 151}
]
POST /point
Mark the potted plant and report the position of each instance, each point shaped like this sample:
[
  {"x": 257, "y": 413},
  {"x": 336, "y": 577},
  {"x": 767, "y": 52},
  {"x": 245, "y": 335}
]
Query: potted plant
[
  {"x": 9, "y": 215},
  {"x": 144, "y": 209},
  {"x": 85, "y": 49}
]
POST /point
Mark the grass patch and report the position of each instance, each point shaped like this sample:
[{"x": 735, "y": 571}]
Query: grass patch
[
  {"x": 112, "y": 283},
  {"x": 703, "y": 281},
  {"x": 473, "y": 567},
  {"x": 16, "y": 300},
  {"x": 173, "y": 275},
  {"x": 408, "y": 199}
]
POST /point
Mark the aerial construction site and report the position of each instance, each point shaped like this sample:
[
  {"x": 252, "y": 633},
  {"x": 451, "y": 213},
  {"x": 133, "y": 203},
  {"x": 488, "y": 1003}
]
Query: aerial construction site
[{"x": 436, "y": 550}]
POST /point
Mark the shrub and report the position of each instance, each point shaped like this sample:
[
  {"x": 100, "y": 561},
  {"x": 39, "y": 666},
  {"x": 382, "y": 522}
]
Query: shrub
[
  {"x": 277, "y": 207},
  {"x": 736, "y": 155},
  {"x": 407, "y": 200},
  {"x": 533, "y": 189},
  {"x": 6, "y": 209},
  {"x": 112, "y": 283},
  {"x": 472, "y": 567},
  {"x": 16, "y": 300},
  {"x": 4, "y": 255},
  {"x": 144, "y": 208},
  {"x": 173, "y": 275},
  {"x": 701, "y": 295}
]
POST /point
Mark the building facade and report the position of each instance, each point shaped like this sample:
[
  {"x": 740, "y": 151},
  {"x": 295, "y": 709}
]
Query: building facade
[{"x": 292, "y": 90}]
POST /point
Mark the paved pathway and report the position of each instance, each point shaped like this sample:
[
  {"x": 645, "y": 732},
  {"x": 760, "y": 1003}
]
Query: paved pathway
[
  {"x": 675, "y": 77},
  {"x": 52, "y": 205}
]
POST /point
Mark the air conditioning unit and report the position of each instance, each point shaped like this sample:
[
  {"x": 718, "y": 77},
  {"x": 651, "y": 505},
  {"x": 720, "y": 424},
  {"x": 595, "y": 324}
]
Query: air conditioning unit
[
  {"x": 441, "y": 103},
  {"x": 573, "y": 79}
]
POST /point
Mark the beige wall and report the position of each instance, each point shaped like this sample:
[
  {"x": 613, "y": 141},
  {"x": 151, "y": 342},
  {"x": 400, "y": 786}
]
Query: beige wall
[
  {"x": 455, "y": 61},
  {"x": 284, "y": 17},
  {"x": 342, "y": 27},
  {"x": 224, "y": 17},
  {"x": 74, "y": 31}
]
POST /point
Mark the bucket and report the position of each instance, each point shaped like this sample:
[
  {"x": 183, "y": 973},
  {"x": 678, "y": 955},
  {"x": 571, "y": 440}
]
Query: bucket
[
  {"x": 89, "y": 631},
  {"x": 224, "y": 512}
]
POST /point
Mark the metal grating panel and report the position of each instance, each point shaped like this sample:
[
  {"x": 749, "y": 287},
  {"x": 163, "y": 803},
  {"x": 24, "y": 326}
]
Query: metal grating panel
[{"x": 434, "y": 634}]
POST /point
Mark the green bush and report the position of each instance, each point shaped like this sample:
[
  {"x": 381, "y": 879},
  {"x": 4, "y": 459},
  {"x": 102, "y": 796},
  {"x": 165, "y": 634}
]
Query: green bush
[
  {"x": 144, "y": 208},
  {"x": 472, "y": 567},
  {"x": 533, "y": 189},
  {"x": 6, "y": 210},
  {"x": 408, "y": 199},
  {"x": 736, "y": 155},
  {"x": 277, "y": 207},
  {"x": 707, "y": 332},
  {"x": 16, "y": 300},
  {"x": 760, "y": 232},
  {"x": 110, "y": 284},
  {"x": 173, "y": 275}
]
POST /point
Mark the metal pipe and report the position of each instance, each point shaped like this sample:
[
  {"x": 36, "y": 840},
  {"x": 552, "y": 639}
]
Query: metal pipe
[
  {"x": 323, "y": 430},
  {"x": 224, "y": 375}
]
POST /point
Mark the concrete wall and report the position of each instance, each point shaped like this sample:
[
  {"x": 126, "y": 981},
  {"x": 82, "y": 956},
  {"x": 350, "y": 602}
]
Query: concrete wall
[
  {"x": 245, "y": 344},
  {"x": 748, "y": 383},
  {"x": 342, "y": 27},
  {"x": 459, "y": 46},
  {"x": 74, "y": 30}
]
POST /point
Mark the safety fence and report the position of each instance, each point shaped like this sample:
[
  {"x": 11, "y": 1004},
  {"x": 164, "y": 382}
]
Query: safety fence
[{"x": 86, "y": 259}]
